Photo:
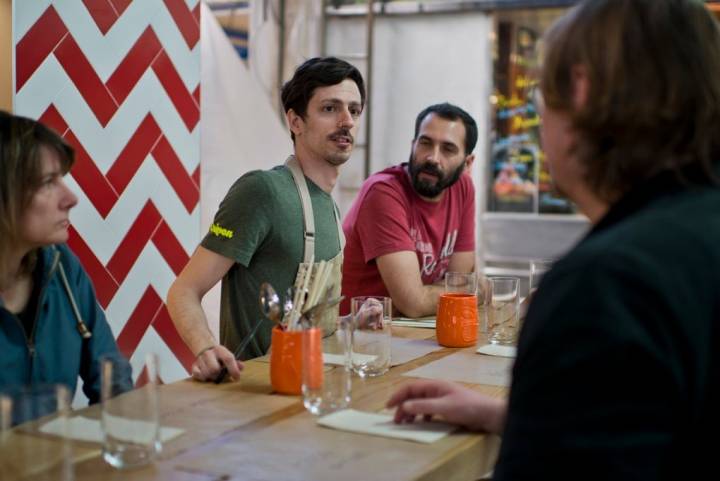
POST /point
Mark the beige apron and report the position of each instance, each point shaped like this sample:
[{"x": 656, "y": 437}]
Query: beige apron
[{"x": 328, "y": 320}]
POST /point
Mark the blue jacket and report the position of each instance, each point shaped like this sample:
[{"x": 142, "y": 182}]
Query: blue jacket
[{"x": 55, "y": 352}]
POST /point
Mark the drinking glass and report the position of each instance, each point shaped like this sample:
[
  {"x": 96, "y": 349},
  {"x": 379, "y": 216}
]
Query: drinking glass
[
  {"x": 484, "y": 297},
  {"x": 326, "y": 388},
  {"x": 26, "y": 452},
  {"x": 503, "y": 318},
  {"x": 371, "y": 335},
  {"x": 130, "y": 420},
  {"x": 460, "y": 282},
  {"x": 538, "y": 268}
]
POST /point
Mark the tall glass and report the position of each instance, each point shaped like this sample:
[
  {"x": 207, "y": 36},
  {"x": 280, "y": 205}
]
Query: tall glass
[
  {"x": 484, "y": 297},
  {"x": 503, "y": 314},
  {"x": 34, "y": 428},
  {"x": 130, "y": 420},
  {"x": 460, "y": 282},
  {"x": 327, "y": 389},
  {"x": 371, "y": 335},
  {"x": 538, "y": 268}
]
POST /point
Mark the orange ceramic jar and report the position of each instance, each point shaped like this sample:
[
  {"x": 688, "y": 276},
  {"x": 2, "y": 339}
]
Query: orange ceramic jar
[
  {"x": 457, "y": 320},
  {"x": 286, "y": 359}
]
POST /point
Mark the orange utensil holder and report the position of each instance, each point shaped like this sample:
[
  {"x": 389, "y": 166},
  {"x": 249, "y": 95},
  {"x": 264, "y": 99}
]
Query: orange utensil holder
[
  {"x": 286, "y": 359},
  {"x": 456, "y": 324}
]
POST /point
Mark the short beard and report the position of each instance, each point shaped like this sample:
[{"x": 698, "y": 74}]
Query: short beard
[{"x": 427, "y": 189}]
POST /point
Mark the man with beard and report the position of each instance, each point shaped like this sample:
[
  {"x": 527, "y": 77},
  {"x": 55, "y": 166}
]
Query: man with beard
[
  {"x": 271, "y": 222},
  {"x": 413, "y": 222}
]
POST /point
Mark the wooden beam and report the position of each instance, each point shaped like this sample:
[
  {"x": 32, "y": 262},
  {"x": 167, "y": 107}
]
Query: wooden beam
[{"x": 6, "y": 55}]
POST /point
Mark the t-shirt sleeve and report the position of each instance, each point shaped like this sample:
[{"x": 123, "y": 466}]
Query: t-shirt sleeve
[
  {"x": 593, "y": 393},
  {"x": 466, "y": 233},
  {"x": 241, "y": 222},
  {"x": 382, "y": 223}
]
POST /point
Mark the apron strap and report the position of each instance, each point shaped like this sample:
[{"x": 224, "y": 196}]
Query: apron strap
[
  {"x": 308, "y": 217},
  {"x": 341, "y": 234}
]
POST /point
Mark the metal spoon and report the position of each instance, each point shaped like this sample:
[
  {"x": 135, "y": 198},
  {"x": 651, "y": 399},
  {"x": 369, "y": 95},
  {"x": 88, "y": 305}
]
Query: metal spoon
[
  {"x": 270, "y": 307},
  {"x": 288, "y": 304},
  {"x": 270, "y": 303}
]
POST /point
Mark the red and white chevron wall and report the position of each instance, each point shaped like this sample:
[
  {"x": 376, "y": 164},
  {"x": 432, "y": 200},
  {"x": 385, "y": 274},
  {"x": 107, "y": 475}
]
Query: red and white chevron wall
[{"x": 120, "y": 80}]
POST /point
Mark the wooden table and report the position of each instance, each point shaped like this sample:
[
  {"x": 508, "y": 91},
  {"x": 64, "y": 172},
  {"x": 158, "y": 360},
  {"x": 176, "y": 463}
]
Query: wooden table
[{"x": 240, "y": 431}]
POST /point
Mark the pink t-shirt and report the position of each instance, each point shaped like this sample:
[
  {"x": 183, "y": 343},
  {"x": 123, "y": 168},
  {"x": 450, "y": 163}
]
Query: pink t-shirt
[{"x": 389, "y": 216}]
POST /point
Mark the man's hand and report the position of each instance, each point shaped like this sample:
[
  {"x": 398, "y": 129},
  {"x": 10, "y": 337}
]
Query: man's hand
[
  {"x": 370, "y": 315},
  {"x": 209, "y": 363},
  {"x": 451, "y": 402}
]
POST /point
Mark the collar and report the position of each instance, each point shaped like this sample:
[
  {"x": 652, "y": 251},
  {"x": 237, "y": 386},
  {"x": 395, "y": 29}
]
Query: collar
[{"x": 662, "y": 185}]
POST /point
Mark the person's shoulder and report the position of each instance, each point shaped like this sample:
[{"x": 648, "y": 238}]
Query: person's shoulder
[
  {"x": 265, "y": 177},
  {"x": 390, "y": 180},
  {"x": 258, "y": 183},
  {"x": 393, "y": 175},
  {"x": 464, "y": 188},
  {"x": 670, "y": 240},
  {"x": 466, "y": 182},
  {"x": 670, "y": 227}
]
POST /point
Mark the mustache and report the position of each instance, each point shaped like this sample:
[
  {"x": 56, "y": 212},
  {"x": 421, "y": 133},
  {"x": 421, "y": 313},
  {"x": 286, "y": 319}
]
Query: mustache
[{"x": 342, "y": 133}]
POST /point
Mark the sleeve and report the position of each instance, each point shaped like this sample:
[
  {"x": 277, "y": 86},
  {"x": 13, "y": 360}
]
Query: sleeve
[
  {"x": 242, "y": 221},
  {"x": 594, "y": 393},
  {"x": 102, "y": 343},
  {"x": 466, "y": 232},
  {"x": 382, "y": 223}
]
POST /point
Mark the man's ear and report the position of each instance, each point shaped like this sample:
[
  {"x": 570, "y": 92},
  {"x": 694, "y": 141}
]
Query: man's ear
[
  {"x": 469, "y": 162},
  {"x": 294, "y": 121},
  {"x": 581, "y": 86}
]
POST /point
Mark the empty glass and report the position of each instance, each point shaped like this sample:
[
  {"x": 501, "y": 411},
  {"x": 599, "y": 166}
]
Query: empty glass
[
  {"x": 27, "y": 449},
  {"x": 130, "y": 423},
  {"x": 503, "y": 314},
  {"x": 326, "y": 388},
  {"x": 460, "y": 282},
  {"x": 371, "y": 335},
  {"x": 538, "y": 268}
]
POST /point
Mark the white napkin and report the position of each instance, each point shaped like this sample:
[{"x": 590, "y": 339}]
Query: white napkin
[
  {"x": 410, "y": 322},
  {"x": 84, "y": 429},
  {"x": 497, "y": 350},
  {"x": 383, "y": 425},
  {"x": 339, "y": 359}
]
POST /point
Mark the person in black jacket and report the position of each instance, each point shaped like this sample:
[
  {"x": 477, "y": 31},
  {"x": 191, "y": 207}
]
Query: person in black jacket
[{"x": 618, "y": 365}]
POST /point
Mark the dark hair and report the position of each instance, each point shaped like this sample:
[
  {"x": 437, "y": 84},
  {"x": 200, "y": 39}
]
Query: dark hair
[
  {"x": 451, "y": 112},
  {"x": 653, "y": 102},
  {"x": 21, "y": 172},
  {"x": 314, "y": 73}
]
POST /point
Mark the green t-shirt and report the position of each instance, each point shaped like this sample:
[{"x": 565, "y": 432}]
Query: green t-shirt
[{"x": 260, "y": 226}]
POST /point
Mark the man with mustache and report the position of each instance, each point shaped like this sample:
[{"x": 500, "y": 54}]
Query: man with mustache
[
  {"x": 413, "y": 222},
  {"x": 271, "y": 221}
]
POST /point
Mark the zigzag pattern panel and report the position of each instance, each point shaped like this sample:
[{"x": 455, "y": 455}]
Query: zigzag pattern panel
[{"x": 120, "y": 81}]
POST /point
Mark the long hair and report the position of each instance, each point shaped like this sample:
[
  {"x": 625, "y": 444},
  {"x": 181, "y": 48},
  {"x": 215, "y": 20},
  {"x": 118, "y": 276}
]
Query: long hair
[
  {"x": 21, "y": 140},
  {"x": 654, "y": 98}
]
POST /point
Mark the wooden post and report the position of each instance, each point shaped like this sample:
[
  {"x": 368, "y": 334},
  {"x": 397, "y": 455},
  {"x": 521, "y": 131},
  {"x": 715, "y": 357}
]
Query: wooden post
[{"x": 6, "y": 89}]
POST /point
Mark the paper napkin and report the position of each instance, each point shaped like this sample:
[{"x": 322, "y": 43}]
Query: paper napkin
[{"x": 383, "y": 425}]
